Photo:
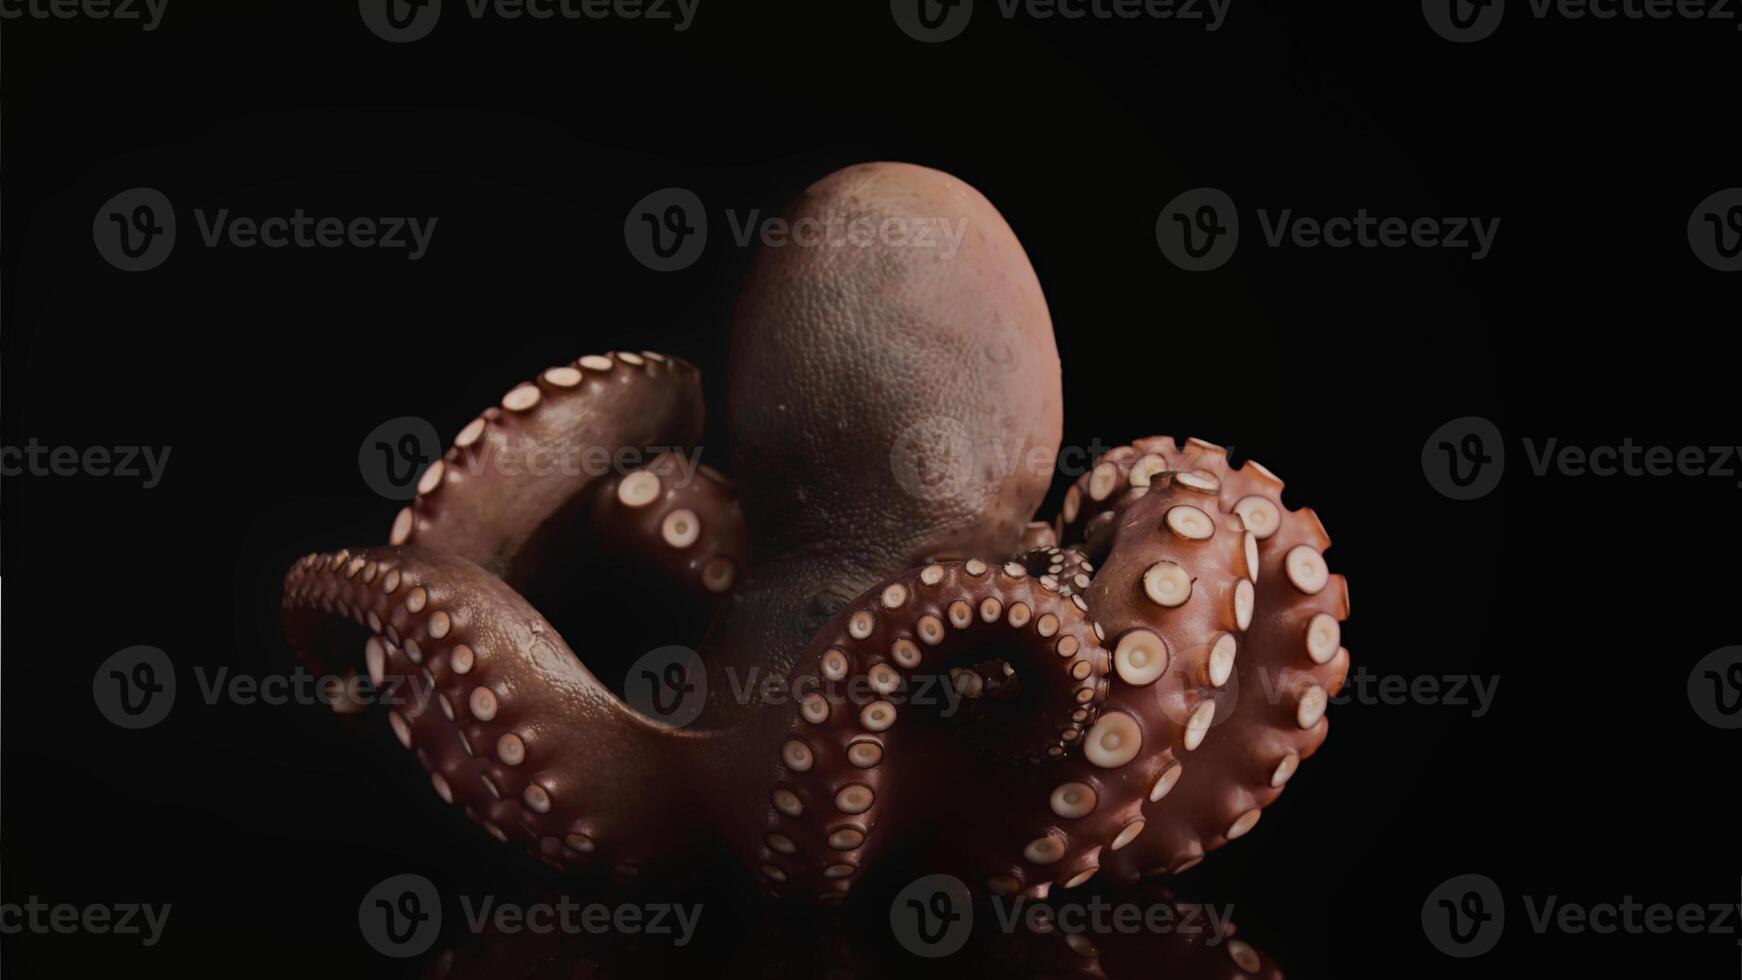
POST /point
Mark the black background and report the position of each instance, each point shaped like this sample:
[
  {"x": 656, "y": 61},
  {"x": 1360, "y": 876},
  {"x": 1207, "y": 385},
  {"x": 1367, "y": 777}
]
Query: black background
[{"x": 1591, "y": 321}]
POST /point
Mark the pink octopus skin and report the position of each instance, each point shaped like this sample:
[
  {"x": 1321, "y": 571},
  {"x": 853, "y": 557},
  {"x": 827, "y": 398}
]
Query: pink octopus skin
[{"x": 1023, "y": 704}]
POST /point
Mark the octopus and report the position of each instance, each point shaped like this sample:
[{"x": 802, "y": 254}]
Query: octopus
[{"x": 897, "y": 654}]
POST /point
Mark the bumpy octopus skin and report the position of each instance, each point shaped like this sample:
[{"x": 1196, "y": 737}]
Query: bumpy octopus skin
[{"x": 892, "y": 641}]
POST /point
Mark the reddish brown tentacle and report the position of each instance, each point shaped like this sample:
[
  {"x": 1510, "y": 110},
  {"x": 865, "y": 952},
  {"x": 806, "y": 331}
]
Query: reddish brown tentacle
[
  {"x": 835, "y": 801},
  {"x": 675, "y": 518},
  {"x": 1210, "y": 636},
  {"x": 511, "y": 726},
  {"x": 515, "y": 471}
]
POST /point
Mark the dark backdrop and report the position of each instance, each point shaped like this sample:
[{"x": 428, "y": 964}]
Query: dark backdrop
[{"x": 1590, "y": 322}]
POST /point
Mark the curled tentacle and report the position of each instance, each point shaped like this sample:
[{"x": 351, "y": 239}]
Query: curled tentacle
[
  {"x": 1291, "y": 660},
  {"x": 1066, "y": 569},
  {"x": 511, "y": 726},
  {"x": 516, "y": 472},
  {"x": 680, "y": 521},
  {"x": 1121, "y": 477},
  {"x": 883, "y": 661},
  {"x": 1219, "y": 648}
]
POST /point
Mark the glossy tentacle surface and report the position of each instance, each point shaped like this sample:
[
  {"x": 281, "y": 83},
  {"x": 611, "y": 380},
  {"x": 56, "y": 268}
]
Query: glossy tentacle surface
[{"x": 889, "y": 639}]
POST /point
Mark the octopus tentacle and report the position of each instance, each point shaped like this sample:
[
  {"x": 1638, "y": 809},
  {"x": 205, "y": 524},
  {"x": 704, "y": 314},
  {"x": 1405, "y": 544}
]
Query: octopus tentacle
[
  {"x": 514, "y": 471},
  {"x": 834, "y": 803},
  {"x": 1292, "y": 662},
  {"x": 510, "y": 724},
  {"x": 1066, "y": 569},
  {"x": 1236, "y": 634},
  {"x": 1119, "y": 478},
  {"x": 687, "y": 528}
]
